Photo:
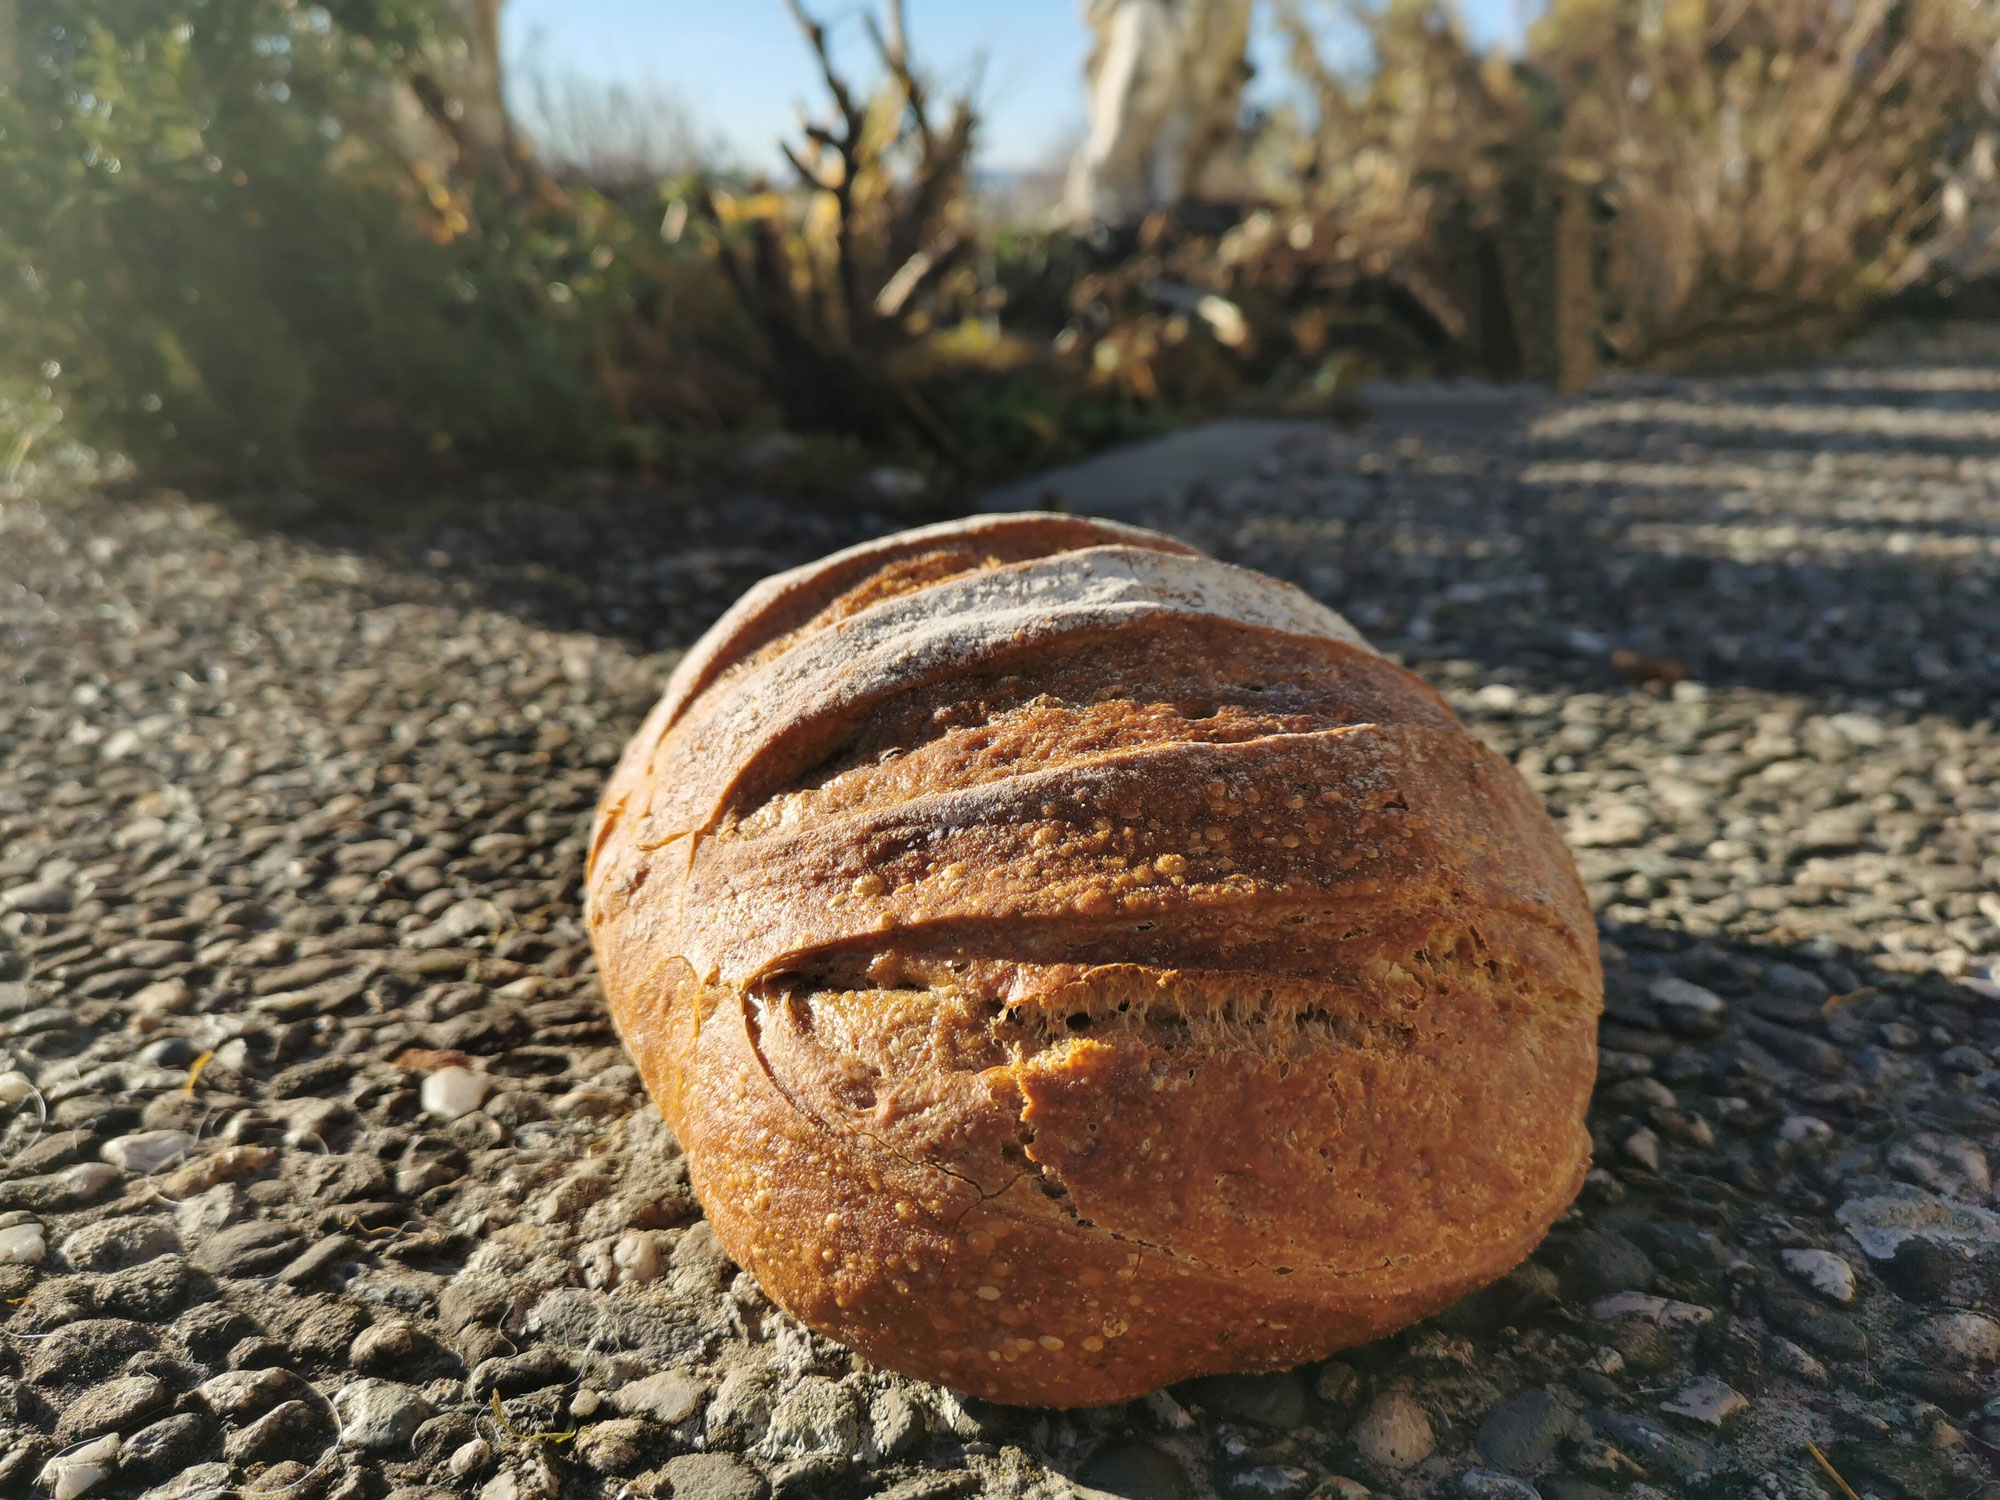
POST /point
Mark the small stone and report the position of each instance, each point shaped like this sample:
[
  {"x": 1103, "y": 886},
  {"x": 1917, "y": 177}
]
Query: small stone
[
  {"x": 1944, "y": 1164},
  {"x": 619, "y": 1445},
  {"x": 199, "y": 1217},
  {"x": 1805, "y": 1131},
  {"x": 1269, "y": 1482},
  {"x": 164, "y": 997},
  {"x": 201, "y": 1482},
  {"x": 713, "y": 1476},
  {"x": 1706, "y": 1400},
  {"x": 669, "y": 1398},
  {"x": 42, "y": 898},
  {"x": 1825, "y": 1272},
  {"x": 1880, "y": 1224},
  {"x": 148, "y": 1151},
  {"x": 1601, "y": 1262},
  {"x": 110, "y": 1407},
  {"x": 395, "y": 1347},
  {"x": 82, "y": 1352},
  {"x": 1965, "y": 1338},
  {"x": 814, "y": 1416},
  {"x": 71, "y": 1474},
  {"x": 470, "y": 1458},
  {"x": 22, "y": 1245},
  {"x": 165, "y": 1447},
  {"x": 117, "y": 1243},
  {"x": 1393, "y": 1433},
  {"x": 1660, "y": 1446},
  {"x": 15, "y": 1088},
  {"x": 240, "y": 1394},
  {"x": 1277, "y": 1400},
  {"x": 319, "y": 1258},
  {"x": 451, "y": 1093},
  {"x": 74, "y": 1187},
  {"x": 248, "y": 1249},
  {"x": 1130, "y": 1469},
  {"x": 292, "y": 1429},
  {"x": 1795, "y": 1361},
  {"x": 379, "y": 1414},
  {"x": 1688, "y": 999},
  {"x": 637, "y": 1258},
  {"x": 1663, "y": 1311},
  {"x": 1484, "y": 1484},
  {"x": 1525, "y": 1430},
  {"x": 1643, "y": 1146}
]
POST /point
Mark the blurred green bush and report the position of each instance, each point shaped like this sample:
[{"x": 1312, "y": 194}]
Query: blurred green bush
[{"x": 232, "y": 241}]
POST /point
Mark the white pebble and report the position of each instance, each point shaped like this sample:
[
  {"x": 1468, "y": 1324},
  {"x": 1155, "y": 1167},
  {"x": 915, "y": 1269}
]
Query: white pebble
[
  {"x": 1825, "y": 1272},
  {"x": 637, "y": 1257},
  {"x": 1679, "y": 994},
  {"x": 1963, "y": 1338},
  {"x": 71, "y": 1474},
  {"x": 16, "y": 1088},
  {"x": 1661, "y": 1310},
  {"x": 147, "y": 1151},
  {"x": 1706, "y": 1400},
  {"x": 22, "y": 1245},
  {"x": 451, "y": 1092},
  {"x": 469, "y": 1458},
  {"x": 1643, "y": 1146},
  {"x": 1394, "y": 1433},
  {"x": 1807, "y": 1129}
]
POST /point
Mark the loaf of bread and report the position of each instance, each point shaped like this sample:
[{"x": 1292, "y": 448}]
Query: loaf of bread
[{"x": 1072, "y": 964}]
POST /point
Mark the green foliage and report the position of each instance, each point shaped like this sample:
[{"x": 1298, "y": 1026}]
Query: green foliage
[{"x": 216, "y": 257}]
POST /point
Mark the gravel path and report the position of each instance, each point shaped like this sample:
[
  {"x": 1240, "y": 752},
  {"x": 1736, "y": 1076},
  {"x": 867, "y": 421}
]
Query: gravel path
[{"x": 324, "y": 1175}]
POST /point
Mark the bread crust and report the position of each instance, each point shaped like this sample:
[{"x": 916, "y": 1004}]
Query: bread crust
[{"x": 1072, "y": 964}]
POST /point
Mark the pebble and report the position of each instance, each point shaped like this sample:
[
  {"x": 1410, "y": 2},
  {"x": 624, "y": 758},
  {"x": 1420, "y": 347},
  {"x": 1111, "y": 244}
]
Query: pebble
[
  {"x": 1132, "y": 1468},
  {"x": 1705, "y": 1400},
  {"x": 1393, "y": 1433},
  {"x": 1964, "y": 1338},
  {"x": 117, "y": 1243},
  {"x": 451, "y": 1093},
  {"x": 470, "y": 1458},
  {"x": 77, "y": 1473},
  {"x": 1524, "y": 1431},
  {"x": 1880, "y": 1224},
  {"x": 149, "y": 1150},
  {"x": 1664, "y": 1311},
  {"x": 813, "y": 1416},
  {"x": 237, "y": 1394},
  {"x": 43, "y": 898},
  {"x": 1825, "y": 1272},
  {"x": 22, "y": 1245},
  {"x": 713, "y": 1476},
  {"x": 1678, "y": 995},
  {"x": 15, "y": 1088},
  {"x": 164, "y": 1447},
  {"x": 1484, "y": 1484},
  {"x": 379, "y": 1414},
  {"x": 248, "y": 1249},
  {"x": 669, "y": 1398}
]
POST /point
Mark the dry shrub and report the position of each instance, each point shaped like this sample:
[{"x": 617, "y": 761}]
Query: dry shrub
[
  {"x": 1655, "y": 180},
  {"x": 1770, "y": 166},
  {"x": 845, "y": 275}
]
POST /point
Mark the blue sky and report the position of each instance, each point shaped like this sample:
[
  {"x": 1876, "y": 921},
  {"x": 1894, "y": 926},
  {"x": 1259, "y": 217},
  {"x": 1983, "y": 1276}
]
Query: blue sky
[{"x": 740, "y": 68}]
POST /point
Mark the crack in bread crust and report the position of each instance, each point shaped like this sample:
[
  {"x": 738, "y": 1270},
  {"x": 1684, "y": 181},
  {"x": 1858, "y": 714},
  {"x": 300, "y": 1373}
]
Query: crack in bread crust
[{"x": 1072, "y": 965}]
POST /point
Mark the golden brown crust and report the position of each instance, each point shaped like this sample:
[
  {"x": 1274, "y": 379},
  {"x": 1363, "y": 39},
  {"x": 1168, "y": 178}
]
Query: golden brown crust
[{"x": 1072, "y": 965}]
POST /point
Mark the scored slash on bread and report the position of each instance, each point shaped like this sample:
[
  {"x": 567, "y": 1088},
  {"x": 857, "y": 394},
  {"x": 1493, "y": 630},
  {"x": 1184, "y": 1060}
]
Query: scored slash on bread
[{"x": 1072, "y": 963}]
